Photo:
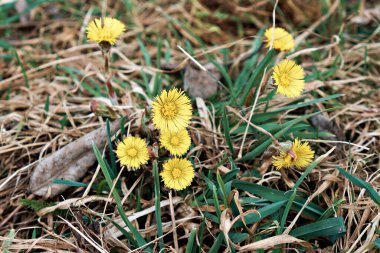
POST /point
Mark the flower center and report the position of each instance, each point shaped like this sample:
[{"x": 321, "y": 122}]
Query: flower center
[
  {"x": 174, "y": 141},
  {"x": 132, "y": 152},
  {"x": 169, "y": 110},
  {"x": 176, "y": 173},
  {"x": 285, "y": 79}
]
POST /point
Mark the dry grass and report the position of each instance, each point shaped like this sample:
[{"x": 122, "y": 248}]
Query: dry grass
[{"x": 54, "y": 62}]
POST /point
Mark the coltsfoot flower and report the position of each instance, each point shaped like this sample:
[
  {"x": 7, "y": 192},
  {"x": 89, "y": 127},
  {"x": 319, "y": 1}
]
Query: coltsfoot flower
[
  {"x": 132, "y": 152},
  {"x": 177, "y": 173},
  {"x": 105, "y": 31},
  {"x": 299, "y": 155},
  {"x": 289, "y": 78},
  {"x": 282, "y": 40},
  {"x": 171, "y": 111},
  {"x": 176, "y": 142}
]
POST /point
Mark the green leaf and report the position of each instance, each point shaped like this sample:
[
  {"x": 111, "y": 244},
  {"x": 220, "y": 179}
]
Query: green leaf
[
  {"x": 217, "y": 243},
  {"x": 157, "y": 197},
  {"x": 307, "y": 103},
  {"x": 68, "y": 182},
  {"x": 110, "y": 150},
  {"x": 5, "y": 44},
  {"x": 362, "y": 184},
  {"x": 140, "y": 240},
  {"x": 261, "y": 148},
  {"x": 257, "y": 75},
  {"x": 261, "y": 213},
  {"x": 222, "y": 189},
  {"x": 216, "y": 201},
  {"x": 11, "y": 235},
  {"x": 190, "y": 242},
  {"x": 238, "y": 237},
  {"x": 22, "y": 69},
  {"x": 145, "y": 52},
  {"x": 250, "y": 63},
  {"x": 296, "y": 185},
  {"x": 330, "y": 227},
  {"x": 226, "y": 130},
  {"x": 47, "y": 103},
  {"x": 377, "y": 243},
  {"x": 332, "y": 209},
  {"x": 311, "y": 210}
]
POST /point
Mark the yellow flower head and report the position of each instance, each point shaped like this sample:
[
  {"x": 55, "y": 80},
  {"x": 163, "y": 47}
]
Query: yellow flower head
[
  {"x": 106, "y": 31},
  {"x": 171, "y": 111},
  {"x": 132, "y": 152},
  {"x": 299, "y": 155},
  {"x": 288, "y": 76},
  {"x": 282, "y": 40},
  {"x": 177, "y": 173},
  {"x": 176, "y": 142}
]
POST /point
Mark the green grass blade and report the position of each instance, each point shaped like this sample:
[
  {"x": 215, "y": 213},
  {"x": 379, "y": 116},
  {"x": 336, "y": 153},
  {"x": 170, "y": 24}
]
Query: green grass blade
[
  {"x": 311, "y": 210},
  {"x": 261, "y": 148},
  {"x": 140, "y": 240},
  {"x": 148, "y": 59},
  {"x": 297, "y": 184},
  {"x": 362, "y": 184},
  {"x": 377, "y": 243},
  {"x": 157, "y": 197},
  {"x": 190, "y": 242},
  {"x": 332, "y": 209},
  {"x": 68, "y": 182},
  {"x": 238, "y": 237},
  {"x": 110, "y": 150},
  {"x": 257, "y": 75},
  {"x": 261, "y": 213},
  {"x": 226, "y": 130},
  {"x": 307, "y": 103},
  {"x": 330, "y": 227},
  {"x": 122, "y": 127},
  {"x": 222, "y": 188},
  {"x": 250, "y": 63},
  {"x": 216, "y": 201},
  {"x": 47, "y": 104},
  {"x": 22, "y": 69},
  {"x": 11, "y": 235},
  {"x": 217, "y": 243},
  {"x": 225, "y": 75}
]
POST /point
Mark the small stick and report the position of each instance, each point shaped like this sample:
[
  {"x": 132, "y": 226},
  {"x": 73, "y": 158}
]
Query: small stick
[
  {"x": 175, "y": 237},
  {"x": 259, "y": 88}
]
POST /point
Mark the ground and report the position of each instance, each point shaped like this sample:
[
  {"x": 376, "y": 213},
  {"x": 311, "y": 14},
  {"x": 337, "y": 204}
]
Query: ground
[{"x": 54, "y": 90}]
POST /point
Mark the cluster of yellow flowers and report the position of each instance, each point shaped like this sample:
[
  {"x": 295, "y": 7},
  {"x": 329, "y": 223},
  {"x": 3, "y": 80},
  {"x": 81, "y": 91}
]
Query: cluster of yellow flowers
[
  {"x": 289, "y": 79},
  {"x": 171, "y": 115},
  {"x": 287, "y": 75},
  {"x": 172, "y": 112}
]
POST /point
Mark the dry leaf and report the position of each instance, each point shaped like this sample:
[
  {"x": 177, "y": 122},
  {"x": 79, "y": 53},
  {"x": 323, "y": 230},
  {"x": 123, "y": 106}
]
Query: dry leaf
[
  {"x": 324, "y": 124},
  {"x": 69, "y": 163},
  {"x": 200, "y": 83},
  {"x": 275, "y": 240},
  {"x": 367, "y": 16}
]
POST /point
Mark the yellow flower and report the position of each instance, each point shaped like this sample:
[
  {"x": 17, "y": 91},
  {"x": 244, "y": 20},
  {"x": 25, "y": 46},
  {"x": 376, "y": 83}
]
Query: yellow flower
[
  {"x": 106, "y": 31},
  {"x": 299, "y": 155},
  {"x": 132, "y": 152},
  {"x": 171, "y": 111},
  {"x": 177, "y": 173},
  {"x": 282, "y": 41},
  {"x": 176, "y": 142},
  {"x": 288, "y": 76}
]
